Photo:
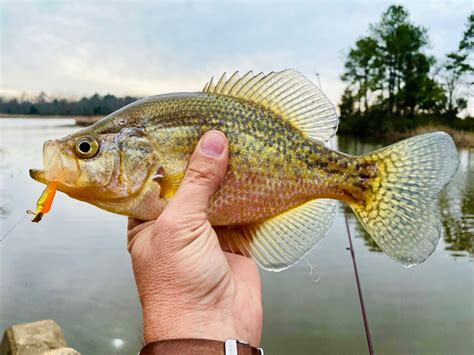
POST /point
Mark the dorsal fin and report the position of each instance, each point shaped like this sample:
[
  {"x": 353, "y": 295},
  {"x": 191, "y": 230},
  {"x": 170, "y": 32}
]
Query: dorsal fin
[{"x": 288, "y": 94}]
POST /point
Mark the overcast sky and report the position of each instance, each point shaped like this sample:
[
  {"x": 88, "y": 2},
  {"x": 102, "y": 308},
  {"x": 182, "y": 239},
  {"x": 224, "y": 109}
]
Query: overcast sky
[{"x": 76, "y": 48}]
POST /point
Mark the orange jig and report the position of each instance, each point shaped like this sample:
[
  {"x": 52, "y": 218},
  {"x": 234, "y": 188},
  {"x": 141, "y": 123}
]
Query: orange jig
[{"x": 45, "y": 201}]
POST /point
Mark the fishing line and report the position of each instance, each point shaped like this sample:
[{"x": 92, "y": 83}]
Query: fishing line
[
  {"x": 313, "y": 273},
  {"x": 28, "y": 212},
  {"x": 359, "y": 289}
]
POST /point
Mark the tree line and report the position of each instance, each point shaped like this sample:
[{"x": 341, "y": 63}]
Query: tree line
[
  {"x": 86, "y": 106},
  {"x": 393, "y": 84}
]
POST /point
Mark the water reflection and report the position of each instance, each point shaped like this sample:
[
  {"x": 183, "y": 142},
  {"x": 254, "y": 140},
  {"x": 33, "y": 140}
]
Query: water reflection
[
  {"x": 74, "y": 268},
  {"x": 360, "y": 231},
  {"x": 456, "y": 202},
  {"x": 457, "y": 206},
  {"x": 4, "y": 211}
]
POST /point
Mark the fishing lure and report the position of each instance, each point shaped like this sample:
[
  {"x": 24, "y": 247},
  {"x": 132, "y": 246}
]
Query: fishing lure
[{"x": 45, "y": 201}]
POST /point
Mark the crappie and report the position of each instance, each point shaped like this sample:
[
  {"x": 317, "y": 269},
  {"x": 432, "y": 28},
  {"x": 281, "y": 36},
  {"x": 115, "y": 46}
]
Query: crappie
[{"x": 278, "y": 198}]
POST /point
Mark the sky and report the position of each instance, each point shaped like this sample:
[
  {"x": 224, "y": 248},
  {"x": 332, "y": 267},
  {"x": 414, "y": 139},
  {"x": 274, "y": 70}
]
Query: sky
[{"x": 141, "y": 48}]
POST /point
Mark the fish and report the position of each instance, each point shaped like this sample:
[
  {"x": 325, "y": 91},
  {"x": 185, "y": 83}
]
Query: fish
[{"x": 278, "y": 198}]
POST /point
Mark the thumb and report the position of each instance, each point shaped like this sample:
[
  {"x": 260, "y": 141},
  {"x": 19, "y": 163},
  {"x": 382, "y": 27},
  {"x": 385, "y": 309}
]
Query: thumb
[{"x": 204, "y": 174}]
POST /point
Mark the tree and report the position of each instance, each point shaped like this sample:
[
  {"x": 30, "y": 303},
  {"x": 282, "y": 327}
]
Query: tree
[
  {"x": 347, "y": 103},
  {"x": 42, "y": 105},
  {"x": 404, "y": 66},
  {"x": 391, "y": 64},
  {"x": 467, "y": 42},
  {"x": 457, "y": 70},
  {"x": 361, "y": 69},
  {"x": 432, "y": 97}
]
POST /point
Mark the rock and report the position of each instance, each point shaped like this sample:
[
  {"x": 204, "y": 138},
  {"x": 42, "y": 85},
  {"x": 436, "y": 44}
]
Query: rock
[
  {"x": 62, "y": 351},
  {"x": 42, "y": 337}
]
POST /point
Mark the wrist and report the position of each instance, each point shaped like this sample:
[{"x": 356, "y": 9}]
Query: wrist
[
  {"x": 199, "y": 346},
  {"x": 180, "y": 324},
  {"x": 173, "y": 314}
]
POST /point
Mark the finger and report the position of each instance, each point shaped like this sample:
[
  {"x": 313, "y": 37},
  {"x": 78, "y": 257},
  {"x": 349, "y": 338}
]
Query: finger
[
  {"x": 135, "y": 227},
  {"x": 206, "y": 171},
  {"x": 133, "y": 222}
]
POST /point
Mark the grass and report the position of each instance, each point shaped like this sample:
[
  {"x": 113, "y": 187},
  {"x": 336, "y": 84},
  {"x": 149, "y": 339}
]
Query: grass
[{"x": 464, "y": 139}]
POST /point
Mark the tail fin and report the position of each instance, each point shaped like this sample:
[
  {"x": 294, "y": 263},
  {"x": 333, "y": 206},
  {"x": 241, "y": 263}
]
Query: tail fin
[{"x": 402, "y": 214}]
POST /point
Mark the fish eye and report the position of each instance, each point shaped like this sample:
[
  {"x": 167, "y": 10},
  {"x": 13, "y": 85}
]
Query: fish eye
[{"x": 87, "y": 147}]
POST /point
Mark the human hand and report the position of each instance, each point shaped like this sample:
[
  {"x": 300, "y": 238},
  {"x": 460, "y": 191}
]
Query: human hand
[{"x": 189, "y": 287}]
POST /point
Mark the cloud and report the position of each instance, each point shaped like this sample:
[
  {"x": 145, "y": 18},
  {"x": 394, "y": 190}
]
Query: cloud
[{"x": 145, "y": 48}]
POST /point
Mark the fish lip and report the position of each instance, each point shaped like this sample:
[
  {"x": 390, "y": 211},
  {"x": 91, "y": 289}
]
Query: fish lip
[{"x": 39, "y": 175}]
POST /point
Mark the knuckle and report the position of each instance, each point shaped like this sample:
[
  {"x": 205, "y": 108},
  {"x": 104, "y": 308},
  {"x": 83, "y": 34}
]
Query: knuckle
[{"x": 203, "y": 174}]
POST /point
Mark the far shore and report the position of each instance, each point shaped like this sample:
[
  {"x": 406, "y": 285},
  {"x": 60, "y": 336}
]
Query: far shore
[
  {"x": 80, "y": 120},
  {"x": 463, "y": 139},
  {"x": 11, "y": 115}
]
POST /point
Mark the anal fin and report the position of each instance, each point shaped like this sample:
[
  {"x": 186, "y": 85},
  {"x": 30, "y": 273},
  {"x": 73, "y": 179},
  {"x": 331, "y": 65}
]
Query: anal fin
[{"x": 281, "y": 241}]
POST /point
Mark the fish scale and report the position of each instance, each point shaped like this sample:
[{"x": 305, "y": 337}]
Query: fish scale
[
  {"x": 277, "y": 200},
  {"x": 260, "y": 143}
]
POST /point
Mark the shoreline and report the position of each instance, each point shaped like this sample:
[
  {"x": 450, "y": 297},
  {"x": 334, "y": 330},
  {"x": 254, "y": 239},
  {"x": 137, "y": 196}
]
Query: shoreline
[
  {"x": 82, "y": 121},
  {"x": 462, "y": 139},
  {"x": 14, "y": 115}
]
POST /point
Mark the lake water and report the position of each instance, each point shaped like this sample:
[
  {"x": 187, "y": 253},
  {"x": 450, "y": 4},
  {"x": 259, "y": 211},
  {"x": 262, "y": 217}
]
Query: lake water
[{"x": 73, "y": 267}]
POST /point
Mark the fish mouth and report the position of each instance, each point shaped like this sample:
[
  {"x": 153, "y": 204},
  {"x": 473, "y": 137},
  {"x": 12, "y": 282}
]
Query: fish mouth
[
  {"x": 39, "y": 175},
  {"x": 58, "y": 165}
]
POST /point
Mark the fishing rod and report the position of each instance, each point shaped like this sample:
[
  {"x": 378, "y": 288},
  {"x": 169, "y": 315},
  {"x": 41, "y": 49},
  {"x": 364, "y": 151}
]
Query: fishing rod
[{"x": 359, "y": 289}]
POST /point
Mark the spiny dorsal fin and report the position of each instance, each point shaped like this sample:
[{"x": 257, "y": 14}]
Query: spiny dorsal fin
[{"x": 288, "y": 94}]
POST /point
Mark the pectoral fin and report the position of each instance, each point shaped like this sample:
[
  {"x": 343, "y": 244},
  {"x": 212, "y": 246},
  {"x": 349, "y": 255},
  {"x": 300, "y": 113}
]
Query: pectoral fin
[{"x": 169, "y": 184}]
